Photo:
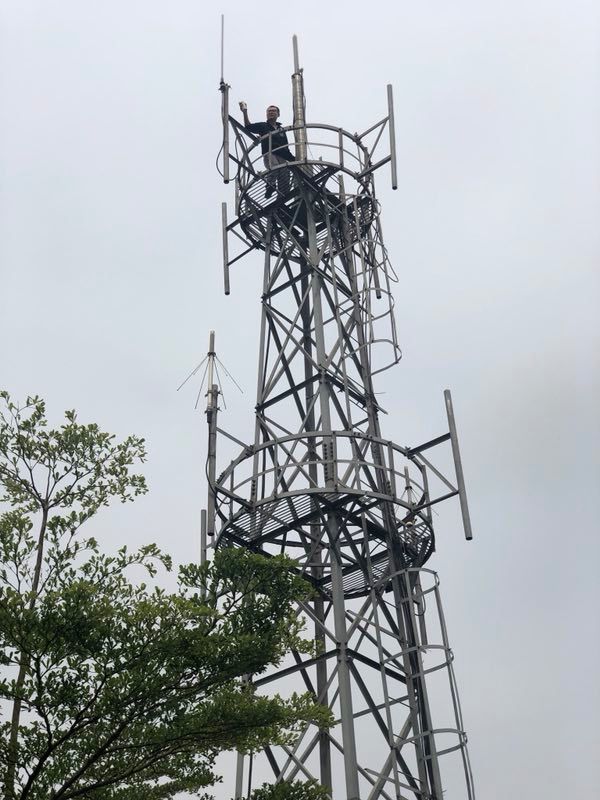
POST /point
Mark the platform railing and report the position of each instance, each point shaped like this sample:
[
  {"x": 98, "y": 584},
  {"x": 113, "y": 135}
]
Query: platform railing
[
  {"x": 335, "y": 148},
  {"x": 345, "y": 462}
]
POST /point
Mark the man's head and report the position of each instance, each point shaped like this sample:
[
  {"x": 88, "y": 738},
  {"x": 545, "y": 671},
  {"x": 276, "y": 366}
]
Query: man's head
[{"x": 272, "y": 113}]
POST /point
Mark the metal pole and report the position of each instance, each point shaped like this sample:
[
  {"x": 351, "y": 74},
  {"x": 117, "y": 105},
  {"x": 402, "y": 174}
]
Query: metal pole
[
  {"x": 298, "y": 105},
  {"x": 345, "y": 688},
  {"x": 460, "y": 479},
  {"x": 211, "y": 415},
  {"x": 212, "y": 408},
  {"x": 392, "y": 128},
  {"x": 211, "y": 362},
  {"x": 203, "y": 547},
  {"x": 203, "y": 536},
  {"x": 239, "y": 777},
  {"x": 225, "y": 133},
  {"x": 222, "y": 46},
  {"x": 225, "y": 249},
  {"x": 337, "y": 579},
  {"x": 417, "y": 710},
  {"x": 224, "y": 88},
  {"x": 315, "y": 527}
]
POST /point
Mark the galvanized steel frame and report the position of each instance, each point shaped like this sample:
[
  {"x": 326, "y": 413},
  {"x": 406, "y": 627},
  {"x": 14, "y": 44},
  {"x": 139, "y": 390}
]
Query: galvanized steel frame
[{"x": 321, "y": 484}]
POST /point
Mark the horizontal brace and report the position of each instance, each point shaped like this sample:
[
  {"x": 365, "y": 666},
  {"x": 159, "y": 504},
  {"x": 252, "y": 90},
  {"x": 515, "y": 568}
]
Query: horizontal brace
[
  {"x": 235, "y": 160},
  {"x": 379, "y": 124},
  {"x": 310, "y": 662},
  {"x": 237, "y": 222},
  {"x": 237, "y": 258},
  {"x": 292, "y": 390},
  {"x": 233, "y": 439},
  {"x": 379, "y": 707},
  {"x": 282, "y": 287},
  {"x": 359, "y": 398},
  {"x": 372, "y": 168},
  {"x": 376, "y": 665},
  {"x": 438, "y": 440},
  {"x": 433, "y": 502}
]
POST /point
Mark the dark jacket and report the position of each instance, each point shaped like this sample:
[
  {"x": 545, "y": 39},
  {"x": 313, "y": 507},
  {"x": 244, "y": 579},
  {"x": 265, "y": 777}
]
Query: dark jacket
[{"x": 279, "y": 140}]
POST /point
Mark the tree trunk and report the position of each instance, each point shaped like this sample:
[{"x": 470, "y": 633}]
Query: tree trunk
[{"x": 13, "y": 742}]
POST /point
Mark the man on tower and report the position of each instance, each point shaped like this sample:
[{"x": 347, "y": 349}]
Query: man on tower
[{"x": 275, "y": 148}]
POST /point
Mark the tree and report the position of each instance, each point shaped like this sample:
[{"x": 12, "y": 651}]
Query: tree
[
  {"x": 116, "y": 690},
  {"x": 290, "y": 790}
]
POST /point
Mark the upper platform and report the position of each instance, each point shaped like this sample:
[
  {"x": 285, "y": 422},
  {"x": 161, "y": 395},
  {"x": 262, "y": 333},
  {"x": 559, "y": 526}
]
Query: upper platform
[
  {"x": 337, "y": 171},
  {"x": 336, "y": 174}
]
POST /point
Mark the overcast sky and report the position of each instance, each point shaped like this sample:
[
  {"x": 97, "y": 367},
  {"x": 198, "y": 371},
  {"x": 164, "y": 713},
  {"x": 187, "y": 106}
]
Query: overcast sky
[{"x": 111, "y": 279}]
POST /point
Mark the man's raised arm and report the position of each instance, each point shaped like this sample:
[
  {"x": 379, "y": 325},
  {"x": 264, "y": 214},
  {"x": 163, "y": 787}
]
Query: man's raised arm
[{"x": 244, "y": 110}]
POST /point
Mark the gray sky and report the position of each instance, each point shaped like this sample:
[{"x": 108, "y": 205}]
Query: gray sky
[{"x": 111, "y": 279}]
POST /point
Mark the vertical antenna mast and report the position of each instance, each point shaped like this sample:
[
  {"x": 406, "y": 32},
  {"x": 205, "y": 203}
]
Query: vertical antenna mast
[
  {"x": 222, "y": 47},
  {"x": 298, "y": 104},
  {"x": 212, "y": 408},
  {"x": 224, "y": 89}
]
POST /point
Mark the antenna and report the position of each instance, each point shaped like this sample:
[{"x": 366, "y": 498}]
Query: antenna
[
  {"x": 210, "y": 361},
  {"x": 222, "y": 46},
  {"x": 212, "y": 410},
  {"x": 224, "y": 89},
  {"x": 298, "y": 104},
  {"x": 213, "y": 391}
]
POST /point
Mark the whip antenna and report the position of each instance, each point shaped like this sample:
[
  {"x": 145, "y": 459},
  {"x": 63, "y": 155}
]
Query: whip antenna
[
  {"x": 224, "y": 89},
  {"x": 222, "y": 46}
]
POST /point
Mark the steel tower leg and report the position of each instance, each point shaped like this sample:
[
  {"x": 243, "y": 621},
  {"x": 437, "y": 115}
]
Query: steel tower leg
[
  {"x": 346, "y": 712},
  {"x": 347, "y": 717},
  {"x": 317, "y": 570}
]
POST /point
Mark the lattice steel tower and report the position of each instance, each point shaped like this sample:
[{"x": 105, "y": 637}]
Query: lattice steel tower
[{"x": 321, "y": 484}]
